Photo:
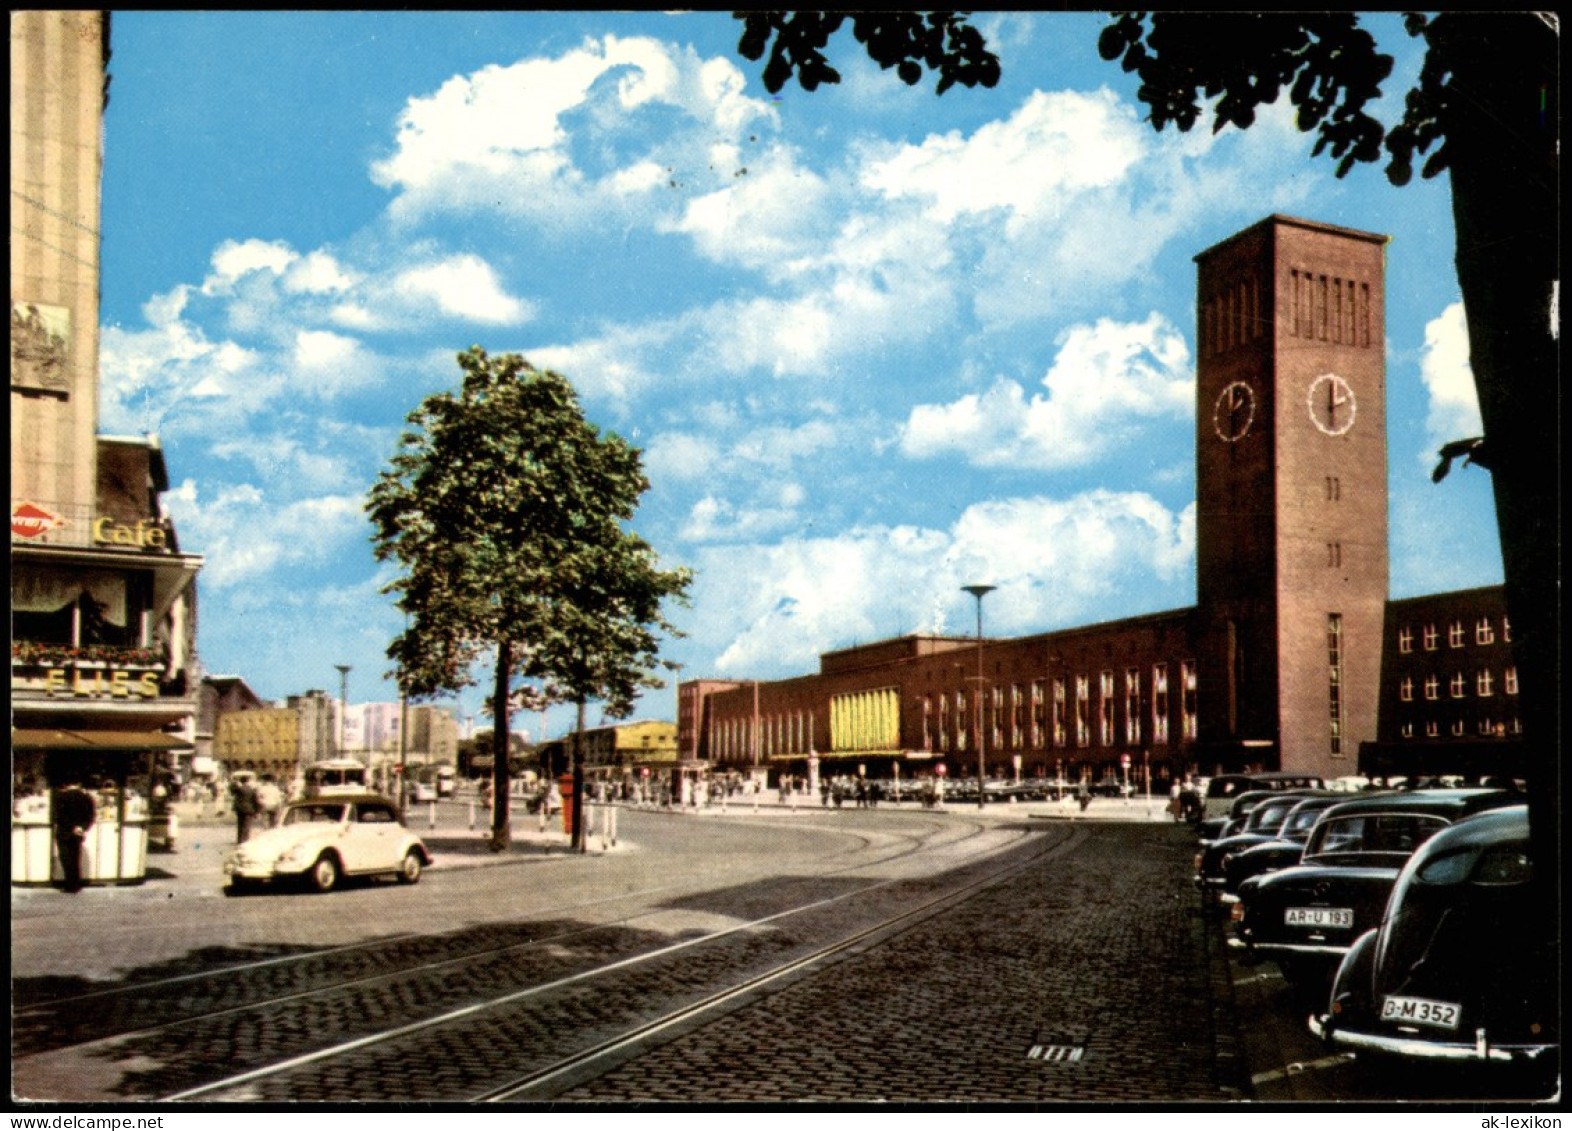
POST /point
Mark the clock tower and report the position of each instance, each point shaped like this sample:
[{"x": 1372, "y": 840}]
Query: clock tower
[{"x": 1291, "y": 524}]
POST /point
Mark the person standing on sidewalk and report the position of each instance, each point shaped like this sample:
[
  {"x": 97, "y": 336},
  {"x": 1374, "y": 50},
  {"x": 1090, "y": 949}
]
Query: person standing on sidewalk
[
  {"x": 269, "y": 801},
  {"x": 244, "y": 799},
  {"x": 74, "y": 814}
]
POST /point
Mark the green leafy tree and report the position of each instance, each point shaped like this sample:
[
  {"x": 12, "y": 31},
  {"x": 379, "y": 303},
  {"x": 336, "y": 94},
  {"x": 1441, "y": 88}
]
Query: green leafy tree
[
  {"x": 1485, "y": 111},
  {"x": 505, "y": 509}
]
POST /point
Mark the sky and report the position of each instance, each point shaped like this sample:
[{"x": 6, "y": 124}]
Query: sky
[{"x": 875, "y": 344}]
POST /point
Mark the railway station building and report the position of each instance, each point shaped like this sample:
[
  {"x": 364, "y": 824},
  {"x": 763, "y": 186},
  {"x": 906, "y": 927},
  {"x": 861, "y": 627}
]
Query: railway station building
[{"x": 1292, "y": 658}]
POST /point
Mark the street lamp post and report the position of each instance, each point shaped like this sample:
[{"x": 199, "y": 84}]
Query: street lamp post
[
  {"x": 979, "y": 591},
  {"x": 343, "y": 703}
]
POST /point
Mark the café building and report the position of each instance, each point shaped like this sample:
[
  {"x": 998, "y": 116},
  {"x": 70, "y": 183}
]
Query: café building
[{"x": 103, "y": 598}]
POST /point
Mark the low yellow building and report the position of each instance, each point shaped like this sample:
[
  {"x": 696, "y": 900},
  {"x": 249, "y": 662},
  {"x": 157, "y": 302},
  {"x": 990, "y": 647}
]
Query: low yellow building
[{"x": 613, "y": 753}]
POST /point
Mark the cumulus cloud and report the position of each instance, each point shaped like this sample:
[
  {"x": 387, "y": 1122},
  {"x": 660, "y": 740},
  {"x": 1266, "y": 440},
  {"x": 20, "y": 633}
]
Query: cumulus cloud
[
  {"x": 1453, "y": 409},
  {"x": 1052, "y": 146},
  {"x": 1107, "y": 381},
  {"x": 1055, "y": 562},
  {"x": 462, "y": 286},
  {"x": 569, "y": 139},
  {"x": 243, "y": 535}
]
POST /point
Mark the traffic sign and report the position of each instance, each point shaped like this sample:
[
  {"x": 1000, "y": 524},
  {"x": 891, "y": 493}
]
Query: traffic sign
[{"x": 1125, "y": 760}]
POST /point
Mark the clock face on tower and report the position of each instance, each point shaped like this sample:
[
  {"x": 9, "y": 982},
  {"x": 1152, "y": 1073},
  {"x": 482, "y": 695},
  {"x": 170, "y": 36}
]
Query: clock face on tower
[
  {"x": 1332, "y": 405},
  {"x": 1234, "y": 411}
]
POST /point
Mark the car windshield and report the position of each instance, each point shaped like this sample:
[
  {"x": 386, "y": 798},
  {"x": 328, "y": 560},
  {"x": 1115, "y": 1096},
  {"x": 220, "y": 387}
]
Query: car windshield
[
  {"x": 1303, "y": 820},
  {"x": 1397, "y": 833},
  {"x": 1269, "y": 817},
  {"x": 313, "y": 814}
]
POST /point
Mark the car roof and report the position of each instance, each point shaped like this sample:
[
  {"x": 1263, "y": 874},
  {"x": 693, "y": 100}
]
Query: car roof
[
  {"x": 1490, "y": 827},
  {"x": 342, "y": 798},
  {"x": 1440, "y": 801}
]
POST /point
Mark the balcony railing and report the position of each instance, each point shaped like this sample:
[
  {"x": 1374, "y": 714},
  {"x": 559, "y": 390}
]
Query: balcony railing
[{"x": 44, "y": 655}]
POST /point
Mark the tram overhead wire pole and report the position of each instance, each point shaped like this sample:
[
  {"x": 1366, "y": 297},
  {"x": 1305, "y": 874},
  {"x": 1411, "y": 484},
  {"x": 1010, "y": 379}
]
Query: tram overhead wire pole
[{"x": 979, "y": 592}]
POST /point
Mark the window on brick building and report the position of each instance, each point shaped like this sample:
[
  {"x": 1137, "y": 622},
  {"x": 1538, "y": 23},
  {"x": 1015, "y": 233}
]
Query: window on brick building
[
  {"x": 1430, "y": 636},
  {"x": 1405, "y": 639},
  {"x": 1432, "y": 687},
  {"x": 1408, "y": 730},
  {"x": 1509, "y": 681},
  {"x": 1454, "y": 634},
  {"x": 1132, "y": 706},
  {"x": 1187, "y": 706},
  {"x": 1334, "y": 647},
  {"x": 1159, "y": 703},
  {"x": 1432, "y": 728},
  {"x": 1459, "y": 685},
  {"x": 1484, "y": 683},
  {"x": 1060, "y": 731},
  {"x": 1484, "y": 631},
  {"x": 1506, "y": 629},
  {"x": 1105, "y": 708},
  {"x": 1083, "y": 710},
  {"x": 1405, "y": 689},
  {"x": 1459, "y": 728}
]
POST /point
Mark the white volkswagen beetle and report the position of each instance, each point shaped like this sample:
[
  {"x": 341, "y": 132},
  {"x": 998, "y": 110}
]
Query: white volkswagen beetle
[{"x": 322, "y": 839}]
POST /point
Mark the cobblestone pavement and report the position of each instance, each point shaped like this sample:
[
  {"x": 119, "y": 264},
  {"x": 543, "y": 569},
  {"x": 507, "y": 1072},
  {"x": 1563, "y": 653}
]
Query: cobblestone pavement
[{"x": 1090, "y": 976}]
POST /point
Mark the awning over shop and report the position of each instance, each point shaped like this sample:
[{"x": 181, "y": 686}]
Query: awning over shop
[{"x": 97, "y": 740}]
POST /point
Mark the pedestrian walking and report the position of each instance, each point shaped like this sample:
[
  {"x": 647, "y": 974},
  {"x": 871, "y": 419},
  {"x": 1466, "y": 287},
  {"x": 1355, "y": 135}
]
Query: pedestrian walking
[
  {"x": 74, "y": 814},
  {"x": 244, "y": 799},
  {"x": 270, "y": 799}
]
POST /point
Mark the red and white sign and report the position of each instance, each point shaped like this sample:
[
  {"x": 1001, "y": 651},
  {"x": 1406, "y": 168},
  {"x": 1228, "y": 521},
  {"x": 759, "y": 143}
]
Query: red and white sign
[
  {"x": 939, "y": 769},
  {"x": 31, "y": 521},
  {"x": 1125, "y": 760}
]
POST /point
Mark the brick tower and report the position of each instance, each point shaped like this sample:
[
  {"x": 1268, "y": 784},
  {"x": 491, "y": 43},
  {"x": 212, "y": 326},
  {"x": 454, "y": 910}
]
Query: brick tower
[{"x": 1291, "y": 527}]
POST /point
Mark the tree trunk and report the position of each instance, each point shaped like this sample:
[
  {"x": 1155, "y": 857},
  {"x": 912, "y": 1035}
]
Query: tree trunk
[
  {"x": 501, "y": 829},
  {"x": 579, "y": 838},
  {"x": 1503, "y": 169}
]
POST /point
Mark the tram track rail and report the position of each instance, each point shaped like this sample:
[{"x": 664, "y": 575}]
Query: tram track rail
[
  {"x": 943, "y": 835},
  {"x": 645, "y": 1030},
  {"x": 41, "y": 1006}
]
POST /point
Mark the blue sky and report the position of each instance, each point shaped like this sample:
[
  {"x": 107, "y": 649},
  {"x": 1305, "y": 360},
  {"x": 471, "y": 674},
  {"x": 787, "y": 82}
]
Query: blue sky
[{"x": 876, "y": 344}]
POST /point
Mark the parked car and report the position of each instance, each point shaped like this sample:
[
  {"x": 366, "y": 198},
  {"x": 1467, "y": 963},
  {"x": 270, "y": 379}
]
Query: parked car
[
  {"x": 1263, "y": 823},
  {"x": 320, "y": 840},
  {"x": 1461, "y": 967},
  {"x": 420, "y": 791},
  {"x": 336, "y": 777},
  {"x": 1222, "y": 790},
  {"x": 1307, "y": 916},
  {"x": 1282, "y": 851},
  {"x": 1233, "y": 818}
]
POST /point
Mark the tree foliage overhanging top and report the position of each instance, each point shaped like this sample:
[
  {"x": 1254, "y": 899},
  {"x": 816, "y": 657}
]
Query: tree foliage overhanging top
[
  {"x": 907, "y": 41},
  {"x": 505, "y": 508},
  {"x": 1326, "y": 62}
]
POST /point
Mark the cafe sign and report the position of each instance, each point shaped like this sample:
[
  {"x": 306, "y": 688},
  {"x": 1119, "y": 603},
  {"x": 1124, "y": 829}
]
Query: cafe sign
[{"x": 141, "y": 535}]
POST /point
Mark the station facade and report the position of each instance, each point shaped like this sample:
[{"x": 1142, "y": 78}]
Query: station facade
[{"x": 1292, "y": 657}]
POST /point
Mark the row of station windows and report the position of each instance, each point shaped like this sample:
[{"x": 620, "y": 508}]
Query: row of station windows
[
  {"x": 1483, "y": 682},
  {"x": 1456, "y": 634}
]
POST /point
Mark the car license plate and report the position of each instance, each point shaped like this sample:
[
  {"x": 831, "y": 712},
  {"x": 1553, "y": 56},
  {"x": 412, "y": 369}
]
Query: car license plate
[
  {"x": 1421, "y": 1011},
  {"x": 1319, "y": 917}
]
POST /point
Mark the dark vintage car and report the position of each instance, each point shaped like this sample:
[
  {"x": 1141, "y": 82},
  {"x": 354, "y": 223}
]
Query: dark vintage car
[
  {"x": 1305, "y": 917},
  {"x": 1263, "y": 823},
  {"x": 1283, "y": 850},
  {"x": 1224, "y": 789},
  {"x": 1462, "y": 967},
  {"x": 1232, "y": 818}
]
